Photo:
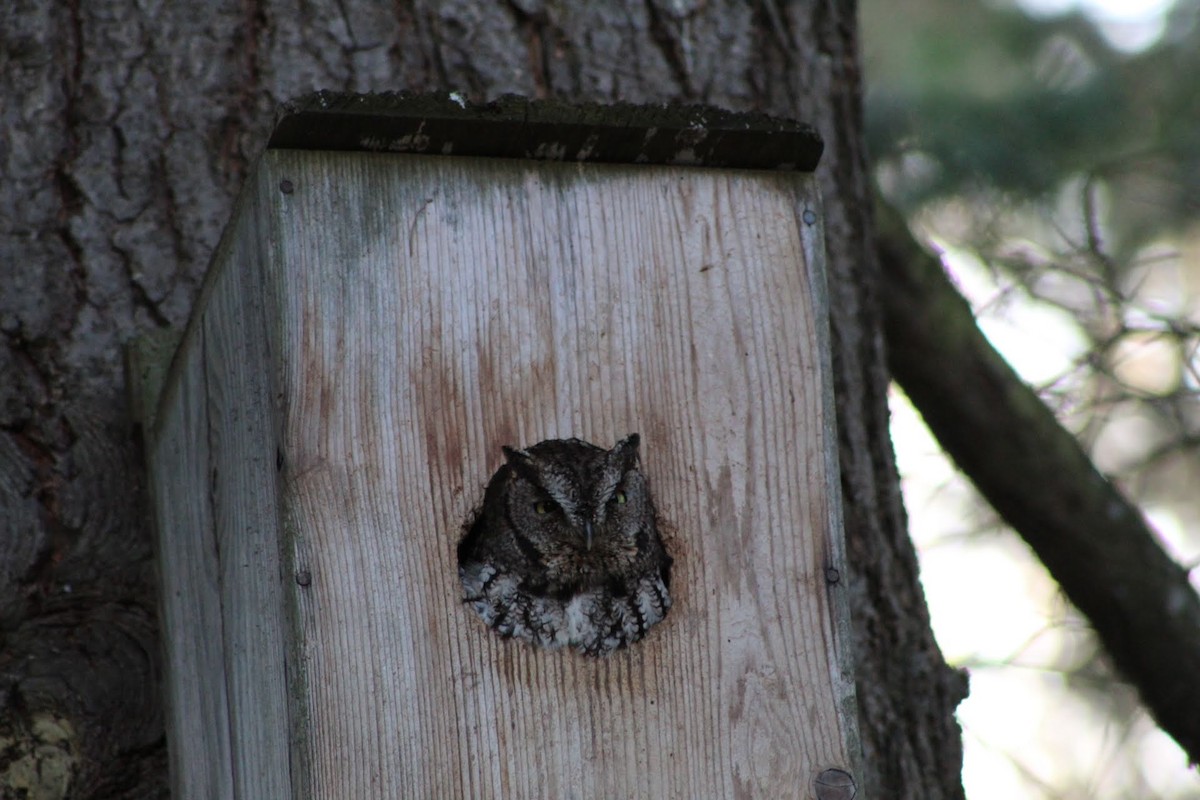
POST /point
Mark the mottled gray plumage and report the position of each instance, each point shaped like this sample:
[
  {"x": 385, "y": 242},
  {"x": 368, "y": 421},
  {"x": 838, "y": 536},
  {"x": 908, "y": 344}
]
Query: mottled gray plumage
[{"x": 565, "y": 550}]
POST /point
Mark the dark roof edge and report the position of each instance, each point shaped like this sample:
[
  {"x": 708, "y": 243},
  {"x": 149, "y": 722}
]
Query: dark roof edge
[{"x": 445, "y": 123}]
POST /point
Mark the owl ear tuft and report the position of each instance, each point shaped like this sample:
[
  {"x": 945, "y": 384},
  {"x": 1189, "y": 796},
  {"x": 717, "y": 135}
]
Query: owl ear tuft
[
  {"x": 513, "y": 453},
  {"x": 521, "y": 461},
  {"x": 625, "y": 452}
]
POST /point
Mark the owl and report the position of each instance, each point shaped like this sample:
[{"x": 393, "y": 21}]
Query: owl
[{"x": 565, "y": 548}]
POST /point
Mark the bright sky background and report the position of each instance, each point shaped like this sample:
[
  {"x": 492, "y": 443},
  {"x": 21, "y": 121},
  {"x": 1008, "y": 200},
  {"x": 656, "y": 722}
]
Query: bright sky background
[
  {"x": 994, "y": 607},
  {"x": 1128, "y": 24}
]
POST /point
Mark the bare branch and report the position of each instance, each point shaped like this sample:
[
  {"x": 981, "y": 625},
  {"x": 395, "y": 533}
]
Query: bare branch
[{"x": 1095, "y": 543}]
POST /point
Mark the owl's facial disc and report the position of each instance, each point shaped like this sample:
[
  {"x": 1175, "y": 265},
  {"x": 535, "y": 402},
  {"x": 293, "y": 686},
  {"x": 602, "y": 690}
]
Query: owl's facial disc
[{"x": 583, "y": 499}]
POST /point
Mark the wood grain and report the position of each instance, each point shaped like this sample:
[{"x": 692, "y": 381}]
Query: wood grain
[
  {"x": 420, "y": 312},
  {"x": 213, "y": 461},
  {"x": 189, "y": 590},
  {"x": 435, "y": 309}
]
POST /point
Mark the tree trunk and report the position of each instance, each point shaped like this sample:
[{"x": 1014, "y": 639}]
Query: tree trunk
[{"x": 128, "y": 135}]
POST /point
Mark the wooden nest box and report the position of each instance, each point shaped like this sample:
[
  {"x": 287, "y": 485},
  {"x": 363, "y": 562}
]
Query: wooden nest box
[{"x": 407, "y": 285}]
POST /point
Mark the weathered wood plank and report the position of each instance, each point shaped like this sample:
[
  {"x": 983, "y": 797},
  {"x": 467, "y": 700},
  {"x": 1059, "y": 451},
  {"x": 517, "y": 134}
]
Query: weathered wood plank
[
  {"x": 197, "y": 702},
  {"x": 430, "y": 310},
  {"x": 216, "y": 499},
  {"x": 243, "y": 431}
]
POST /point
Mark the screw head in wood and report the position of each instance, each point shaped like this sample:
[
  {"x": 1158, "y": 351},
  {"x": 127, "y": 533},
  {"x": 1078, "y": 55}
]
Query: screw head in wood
[
  {"x": 304, "y": 577},
  {"x": 835, "y": 784}
]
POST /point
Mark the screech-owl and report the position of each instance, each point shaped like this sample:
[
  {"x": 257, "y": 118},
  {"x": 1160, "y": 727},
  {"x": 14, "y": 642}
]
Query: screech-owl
[{"x": 565, "y": 549}]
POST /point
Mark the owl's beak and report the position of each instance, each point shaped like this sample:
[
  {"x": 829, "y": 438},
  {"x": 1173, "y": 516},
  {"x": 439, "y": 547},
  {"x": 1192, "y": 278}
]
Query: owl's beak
[{"x": 588, "y": 532}]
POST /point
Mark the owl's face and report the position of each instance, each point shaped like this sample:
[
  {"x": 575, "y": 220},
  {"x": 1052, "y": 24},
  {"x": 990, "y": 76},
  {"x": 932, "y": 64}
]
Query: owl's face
[
  {"x": 583, "y": 510},
  {"x": 565, "y": 549}
]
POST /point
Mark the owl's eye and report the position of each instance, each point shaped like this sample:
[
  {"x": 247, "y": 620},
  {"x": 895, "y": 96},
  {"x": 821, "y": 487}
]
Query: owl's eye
[
  {"x": 620, "y": 498},
  {"x": 541, "y": 507}
]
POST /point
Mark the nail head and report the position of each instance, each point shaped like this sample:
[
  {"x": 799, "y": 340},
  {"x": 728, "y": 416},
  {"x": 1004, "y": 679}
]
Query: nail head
[{"x": 835, "y": 784}]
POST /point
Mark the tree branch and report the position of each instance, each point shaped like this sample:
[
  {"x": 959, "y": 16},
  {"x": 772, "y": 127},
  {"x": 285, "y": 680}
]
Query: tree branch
[{"x": 1034, "y": 473}]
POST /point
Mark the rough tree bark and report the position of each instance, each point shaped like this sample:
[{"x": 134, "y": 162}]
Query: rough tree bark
[{"x": 129, "y": 128}]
